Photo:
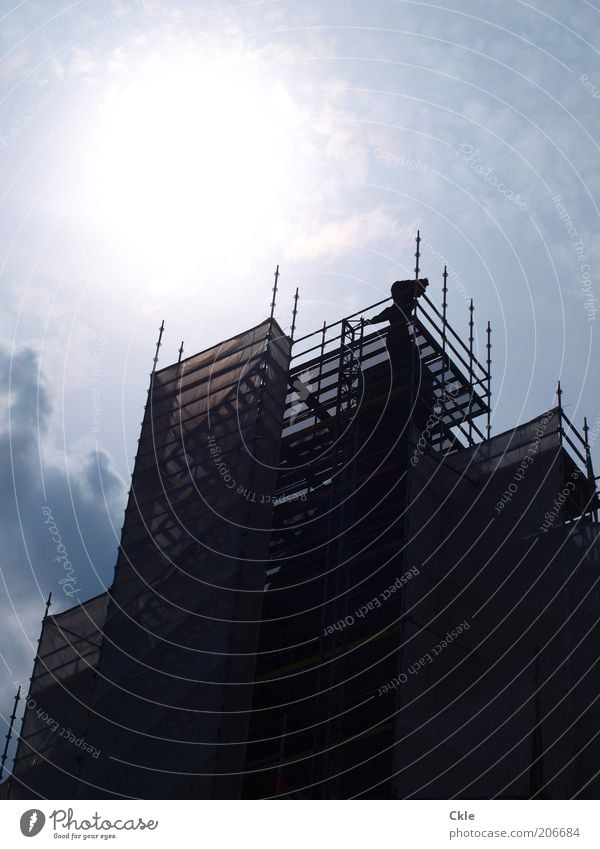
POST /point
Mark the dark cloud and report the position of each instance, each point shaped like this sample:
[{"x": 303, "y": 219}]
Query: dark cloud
[{"x": 59, "y": 518}]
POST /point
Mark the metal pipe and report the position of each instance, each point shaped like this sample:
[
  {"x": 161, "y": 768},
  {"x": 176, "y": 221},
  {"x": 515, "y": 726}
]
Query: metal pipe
[
  {"x": 471, "y": 340},
  {"x": 489, "y": 370},
  {"x": 294, "y": 314},
  {"x": 274, "y": 301},
  {"x": 417, "y": 255},
  {"x": 9, "y": 733},
  {"x": 158, "y": 344}
]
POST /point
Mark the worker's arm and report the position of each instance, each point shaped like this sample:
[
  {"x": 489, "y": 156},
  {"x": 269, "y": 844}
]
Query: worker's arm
[{"x": 387, "y": 314}]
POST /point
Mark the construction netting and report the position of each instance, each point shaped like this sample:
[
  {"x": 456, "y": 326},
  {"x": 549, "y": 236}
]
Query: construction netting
[
  {"x": 54, "y": 735},
  {"x": 501, "y": 622},
  {"x": 178, "y": 658}
]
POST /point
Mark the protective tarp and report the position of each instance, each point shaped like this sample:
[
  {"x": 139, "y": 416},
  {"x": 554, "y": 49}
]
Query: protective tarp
[
  {"x": 178, "y": 662},
  {"x": 487, "y": 715},
  {"x": 540, "y": 434},
  {"x": 54, "y": 735}
]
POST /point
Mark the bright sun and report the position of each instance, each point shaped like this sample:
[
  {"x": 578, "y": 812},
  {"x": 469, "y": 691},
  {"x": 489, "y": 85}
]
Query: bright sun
[{"x": 192, "y": 159}]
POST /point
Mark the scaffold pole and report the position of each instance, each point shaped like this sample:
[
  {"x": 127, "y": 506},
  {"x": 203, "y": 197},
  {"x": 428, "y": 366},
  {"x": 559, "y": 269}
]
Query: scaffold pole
[
  {"x": 9, "y": 733},
  {"x": 295, "y": 313},
  {"x": 489, "y": 378},
  {"x": 161, "y": 330}
]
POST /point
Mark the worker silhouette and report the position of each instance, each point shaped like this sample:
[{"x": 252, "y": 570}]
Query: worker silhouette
[
  {"x": 400, "y": 314},
  {"x": 402, "y": 348}
]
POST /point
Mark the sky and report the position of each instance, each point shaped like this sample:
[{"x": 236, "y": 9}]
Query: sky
[{"x": 159, "y": 159}]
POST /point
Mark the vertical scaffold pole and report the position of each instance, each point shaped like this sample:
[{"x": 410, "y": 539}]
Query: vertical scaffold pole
[
  {"x": 489, "y": 378},
  {"x": 10, "y": 730},
  {"x": 264, "y": 368},
  {"x": 48, "y": 606},
  {"x": 444, "y": 322},
  {"x": 294, "y": 314},
  {"x": 417, "y": 255},
  {"x": 559, "y": 394},
  {"x": 413, "y": 352},
  {"x": 161, "y": 330},
  {"x": 274, "y": 301},
  {"x": 322, "y": 354},
  {"x": 589, "y": 464},
  {"x": 471, "y": 340}
]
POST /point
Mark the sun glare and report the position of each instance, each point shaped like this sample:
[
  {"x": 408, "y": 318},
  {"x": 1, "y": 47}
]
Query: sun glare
[{"x": 192, "y": 160}]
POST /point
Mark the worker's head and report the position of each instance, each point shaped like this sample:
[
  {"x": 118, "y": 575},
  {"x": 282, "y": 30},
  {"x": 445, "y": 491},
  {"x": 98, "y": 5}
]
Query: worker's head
[
  {"x": 400, "y": 288},
  {"x": 403, "y": 289}
]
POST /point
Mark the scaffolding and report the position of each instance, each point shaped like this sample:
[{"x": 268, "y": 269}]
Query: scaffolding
[
  {"x": 357, "y": 488},
  {"x": 168, "y": 666},
  {"x": 349, "y": 429},
  {"x": 54, "y": 738},
  {"x": 306, "y": 520}
]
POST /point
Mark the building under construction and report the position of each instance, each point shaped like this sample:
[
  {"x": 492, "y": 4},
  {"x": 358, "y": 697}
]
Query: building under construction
[{"x": 333, "y": 582}]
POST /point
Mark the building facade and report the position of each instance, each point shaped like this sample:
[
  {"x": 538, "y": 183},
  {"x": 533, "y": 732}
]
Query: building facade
[{"x": 333, "y": 582}]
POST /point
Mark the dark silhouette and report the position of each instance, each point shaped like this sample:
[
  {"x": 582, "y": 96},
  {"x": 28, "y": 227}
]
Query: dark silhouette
[{"x": 399, "y": 315}]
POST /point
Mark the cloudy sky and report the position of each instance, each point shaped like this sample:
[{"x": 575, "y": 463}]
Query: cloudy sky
[{"x": 158, "y": 159}]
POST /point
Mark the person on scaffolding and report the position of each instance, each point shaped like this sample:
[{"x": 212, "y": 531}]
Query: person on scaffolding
[{"x": 400, "y": 314}]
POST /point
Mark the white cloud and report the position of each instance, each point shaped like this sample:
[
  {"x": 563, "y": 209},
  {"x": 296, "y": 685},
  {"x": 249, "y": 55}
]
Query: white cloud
[{"x": 328, "y": 239}]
